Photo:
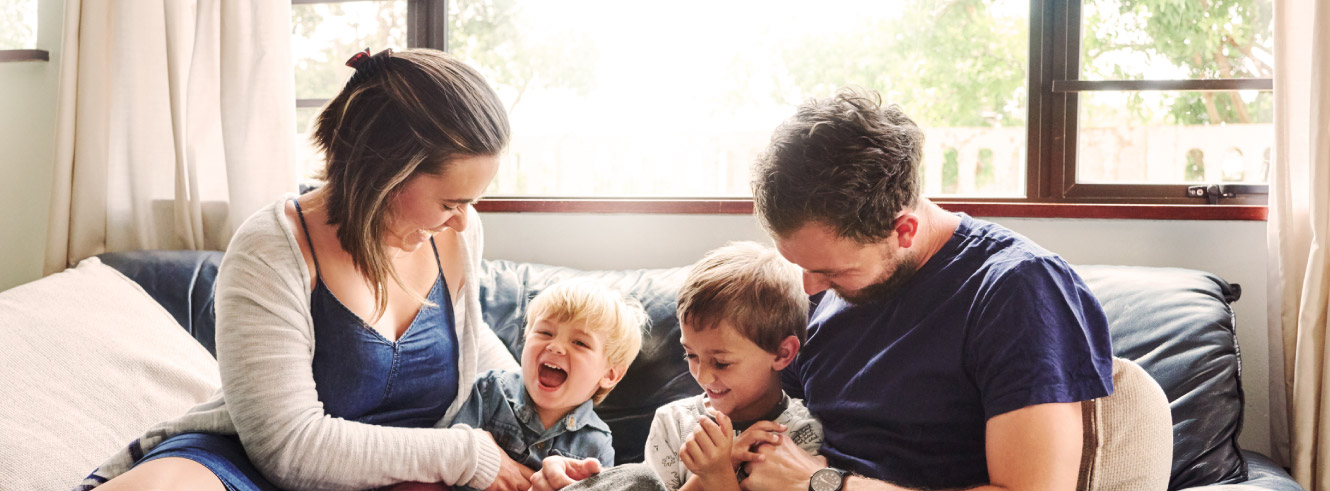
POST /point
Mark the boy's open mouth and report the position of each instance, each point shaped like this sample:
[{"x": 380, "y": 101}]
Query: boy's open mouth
[{"x": 551, "y": 376}]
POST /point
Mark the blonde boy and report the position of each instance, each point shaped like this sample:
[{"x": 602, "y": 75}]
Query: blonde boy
[
  {"x": 743, "y": 316},
  {"x": 580, "y": 340}
]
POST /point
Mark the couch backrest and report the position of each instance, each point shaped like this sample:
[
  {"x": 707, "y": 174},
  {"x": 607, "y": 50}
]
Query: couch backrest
[
  {"x": 1174, "y": 323},
  {"x": 1177, "y": 324}
]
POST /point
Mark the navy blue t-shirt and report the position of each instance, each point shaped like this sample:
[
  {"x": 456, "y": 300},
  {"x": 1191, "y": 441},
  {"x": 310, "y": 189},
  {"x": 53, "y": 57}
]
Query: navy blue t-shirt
[{"x": 990, "y": 324}]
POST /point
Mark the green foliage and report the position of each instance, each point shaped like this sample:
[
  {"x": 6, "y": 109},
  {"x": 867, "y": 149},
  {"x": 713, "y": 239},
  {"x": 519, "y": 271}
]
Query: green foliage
[
  {"x": 18, "y": 24},
  {"x": 948, "y": 63},
  {"x": 1197, "y": 38},
  {"x": 955, "y": 63},
  {"x": 332, "y": 33},
  {"x": 498, "y": 38}
]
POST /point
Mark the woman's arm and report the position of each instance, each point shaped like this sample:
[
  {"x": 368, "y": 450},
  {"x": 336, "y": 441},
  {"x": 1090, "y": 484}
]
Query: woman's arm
[{"x": 265, "y": 352}]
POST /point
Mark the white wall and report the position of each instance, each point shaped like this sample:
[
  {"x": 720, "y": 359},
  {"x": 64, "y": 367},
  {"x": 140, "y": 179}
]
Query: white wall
[
  {"x": 1233, "y": 250},
  {"x": 27, "y": 151}
]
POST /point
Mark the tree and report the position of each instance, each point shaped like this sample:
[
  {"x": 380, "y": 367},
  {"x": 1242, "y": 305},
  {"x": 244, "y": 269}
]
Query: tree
[
  {"x": 496, "y": 37},
  {"x": 18, "y": 24},
  {"x": 1201, "y": 38},
  {"x": 948, "y": 62}
]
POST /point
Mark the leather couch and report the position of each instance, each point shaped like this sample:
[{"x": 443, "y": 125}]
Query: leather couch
[{"x": 1175, "y": 323}]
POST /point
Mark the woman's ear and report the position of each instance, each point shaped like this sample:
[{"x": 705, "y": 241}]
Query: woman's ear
[
  {"x": 785, "y": 352},
  {"x": 612, "y": 377}
]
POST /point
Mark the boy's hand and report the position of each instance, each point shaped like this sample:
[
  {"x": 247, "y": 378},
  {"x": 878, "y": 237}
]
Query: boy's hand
[
  {"x": 557, "y": 472},
  {"x": 762, "y": 432},
  {"x": 707, "y": 451}
]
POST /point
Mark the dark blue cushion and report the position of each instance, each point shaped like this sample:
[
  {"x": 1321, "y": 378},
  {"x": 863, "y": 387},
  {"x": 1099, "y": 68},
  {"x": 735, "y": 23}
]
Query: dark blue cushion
[
  {"x": 1178, "y": 326},
  {"x": 182, "y": 281}
]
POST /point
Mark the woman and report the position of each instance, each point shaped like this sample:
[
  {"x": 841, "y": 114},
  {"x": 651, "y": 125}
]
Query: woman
[{"x": 348, "y": 320}]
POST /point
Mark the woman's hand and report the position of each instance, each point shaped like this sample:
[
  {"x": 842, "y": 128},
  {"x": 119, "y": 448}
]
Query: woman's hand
[
  {"x": 557, "y": 472},
  {"x": 707, "y": 451},
  {"x": 512, "y": 475},
  {"x": 761, "y": 432}
]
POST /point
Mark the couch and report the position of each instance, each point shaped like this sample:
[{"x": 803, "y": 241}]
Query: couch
[{"x": 1175, "y": 323}]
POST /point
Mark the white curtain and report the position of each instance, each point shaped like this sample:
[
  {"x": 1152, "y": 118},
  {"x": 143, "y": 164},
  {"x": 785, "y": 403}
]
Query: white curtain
[
  {"x": 176, "y": 121},
  {"x": 1299, "y": 240}
]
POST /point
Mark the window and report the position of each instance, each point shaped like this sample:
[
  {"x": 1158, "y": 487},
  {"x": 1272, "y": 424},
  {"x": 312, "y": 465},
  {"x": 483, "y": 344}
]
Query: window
[
  {"x": 1023, "y": 101},
  {"x": 18, "y": 31},
  {"x": 1155, "y": 90}
]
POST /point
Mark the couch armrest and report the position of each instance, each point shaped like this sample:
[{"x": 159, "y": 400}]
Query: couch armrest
[{"x": 1262, "y": 473}]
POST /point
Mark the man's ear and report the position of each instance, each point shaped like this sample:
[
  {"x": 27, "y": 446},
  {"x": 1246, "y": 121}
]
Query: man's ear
[
  {"x": 613, "y": 376},
  {"x": 785, "y": 352},
  {"x": 906, "y": 226}
]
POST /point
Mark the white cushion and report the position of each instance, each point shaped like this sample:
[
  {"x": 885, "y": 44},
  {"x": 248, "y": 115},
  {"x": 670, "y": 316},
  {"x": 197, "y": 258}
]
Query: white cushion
[
  {"x": 88, "y": 361},
  {"x": 1129, "y": 434}
]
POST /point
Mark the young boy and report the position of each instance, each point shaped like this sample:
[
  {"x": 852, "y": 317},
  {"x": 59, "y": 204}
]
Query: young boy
[
  {"x": 743, "y": 317},
  {"x": 580, "y": 340}
]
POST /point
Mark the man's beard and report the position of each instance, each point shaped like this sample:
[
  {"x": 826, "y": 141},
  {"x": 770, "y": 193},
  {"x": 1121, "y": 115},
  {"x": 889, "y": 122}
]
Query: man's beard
[{"x": 884, "y": 289}]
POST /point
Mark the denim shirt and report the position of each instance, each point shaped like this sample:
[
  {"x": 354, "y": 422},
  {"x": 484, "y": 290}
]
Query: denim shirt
[{"x": 500, "y": 405}]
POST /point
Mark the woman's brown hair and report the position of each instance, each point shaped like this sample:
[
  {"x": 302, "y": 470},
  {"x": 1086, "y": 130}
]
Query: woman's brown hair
[{"x": 401, "y": 115}]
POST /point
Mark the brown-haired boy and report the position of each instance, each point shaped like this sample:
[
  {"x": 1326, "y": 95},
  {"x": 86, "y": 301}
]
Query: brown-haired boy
[{"x": 743, "y": 316}]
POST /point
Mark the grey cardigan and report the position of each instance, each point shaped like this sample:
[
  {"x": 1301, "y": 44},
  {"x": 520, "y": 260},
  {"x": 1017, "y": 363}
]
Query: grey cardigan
[{"x": 265, "y": 350}]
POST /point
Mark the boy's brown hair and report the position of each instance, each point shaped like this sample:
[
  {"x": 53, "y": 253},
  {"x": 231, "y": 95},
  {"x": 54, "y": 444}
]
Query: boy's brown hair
[{"x": 751, "y": 287}]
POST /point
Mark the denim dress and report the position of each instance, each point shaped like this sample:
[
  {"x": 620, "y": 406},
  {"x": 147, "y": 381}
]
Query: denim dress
[{"x": 359, "y": 376}]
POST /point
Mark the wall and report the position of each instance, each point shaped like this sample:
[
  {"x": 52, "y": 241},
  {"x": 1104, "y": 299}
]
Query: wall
[
  {"x": 27, "y": 137},
  {"x": 1235, "y": 251}
]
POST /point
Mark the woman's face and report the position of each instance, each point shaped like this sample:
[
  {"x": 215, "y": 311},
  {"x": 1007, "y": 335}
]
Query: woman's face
[{"x": 428, "y": 203}]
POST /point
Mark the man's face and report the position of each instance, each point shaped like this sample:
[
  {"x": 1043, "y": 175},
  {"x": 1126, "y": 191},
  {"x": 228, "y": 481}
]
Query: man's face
[{"x": 859, "y": 273}]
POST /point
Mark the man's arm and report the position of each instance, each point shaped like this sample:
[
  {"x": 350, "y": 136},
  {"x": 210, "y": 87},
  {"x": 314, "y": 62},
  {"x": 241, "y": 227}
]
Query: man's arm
[{"x": 1037, "y": 447}]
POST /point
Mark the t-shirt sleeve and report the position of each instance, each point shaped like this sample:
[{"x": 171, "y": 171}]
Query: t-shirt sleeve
[
  {"x": 662, "y": 450},
  {"x": 1038, "y": 336}
]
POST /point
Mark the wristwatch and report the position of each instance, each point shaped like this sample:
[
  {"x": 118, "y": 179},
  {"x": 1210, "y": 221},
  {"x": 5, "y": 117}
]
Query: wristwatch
[{"x": 828, "y": 479}]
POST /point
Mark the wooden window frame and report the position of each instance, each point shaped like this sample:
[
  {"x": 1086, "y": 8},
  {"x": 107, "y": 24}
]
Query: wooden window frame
[{"x": 1051, "y": 187}]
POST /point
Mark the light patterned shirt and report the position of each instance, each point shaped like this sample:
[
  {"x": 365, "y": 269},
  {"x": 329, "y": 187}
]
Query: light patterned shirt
[{"x": 676, "y": 420}]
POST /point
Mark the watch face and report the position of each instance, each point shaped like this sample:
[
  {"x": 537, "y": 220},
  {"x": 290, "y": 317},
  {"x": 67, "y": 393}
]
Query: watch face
[{"x": 825, "y": 480}]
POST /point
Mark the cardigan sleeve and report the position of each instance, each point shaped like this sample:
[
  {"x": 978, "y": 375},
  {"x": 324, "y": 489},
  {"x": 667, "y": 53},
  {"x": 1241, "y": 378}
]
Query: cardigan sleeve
[
  {"x": 491, "y": 353},
  {"x": 265, "y": 353}
]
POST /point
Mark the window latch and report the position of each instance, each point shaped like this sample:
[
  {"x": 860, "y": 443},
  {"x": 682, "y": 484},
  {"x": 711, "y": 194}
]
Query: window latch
[{"x": 1213, "y": 192}]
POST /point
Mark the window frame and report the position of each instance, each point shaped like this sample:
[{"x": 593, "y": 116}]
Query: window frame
[
  {"x": 1051, "y": 188},
  {"x": 1058, "y": 52}
]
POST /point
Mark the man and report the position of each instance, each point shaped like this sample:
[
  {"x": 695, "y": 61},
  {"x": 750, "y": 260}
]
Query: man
[{"x": 944, "y": 352}]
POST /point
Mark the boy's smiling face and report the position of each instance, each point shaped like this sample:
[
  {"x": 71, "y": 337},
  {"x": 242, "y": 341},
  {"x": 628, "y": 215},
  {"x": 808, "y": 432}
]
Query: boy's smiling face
[
  {"x": 563, "y": 364},
  {"x": 741, "y": 379}
]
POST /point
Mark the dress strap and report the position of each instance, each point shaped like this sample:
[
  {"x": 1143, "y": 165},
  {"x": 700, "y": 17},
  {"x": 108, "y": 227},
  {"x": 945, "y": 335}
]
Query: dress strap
[
  {"x": 305, "y": 227},
  {"x": 436, "y": 258}
]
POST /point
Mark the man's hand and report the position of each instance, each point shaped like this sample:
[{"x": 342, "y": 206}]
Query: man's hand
[
  {"x": 761, "y": 432},
  {"x": 557, "y": 472},
  {"x": 512, "y": 475},
  {"x": 781, "y": 466}
]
